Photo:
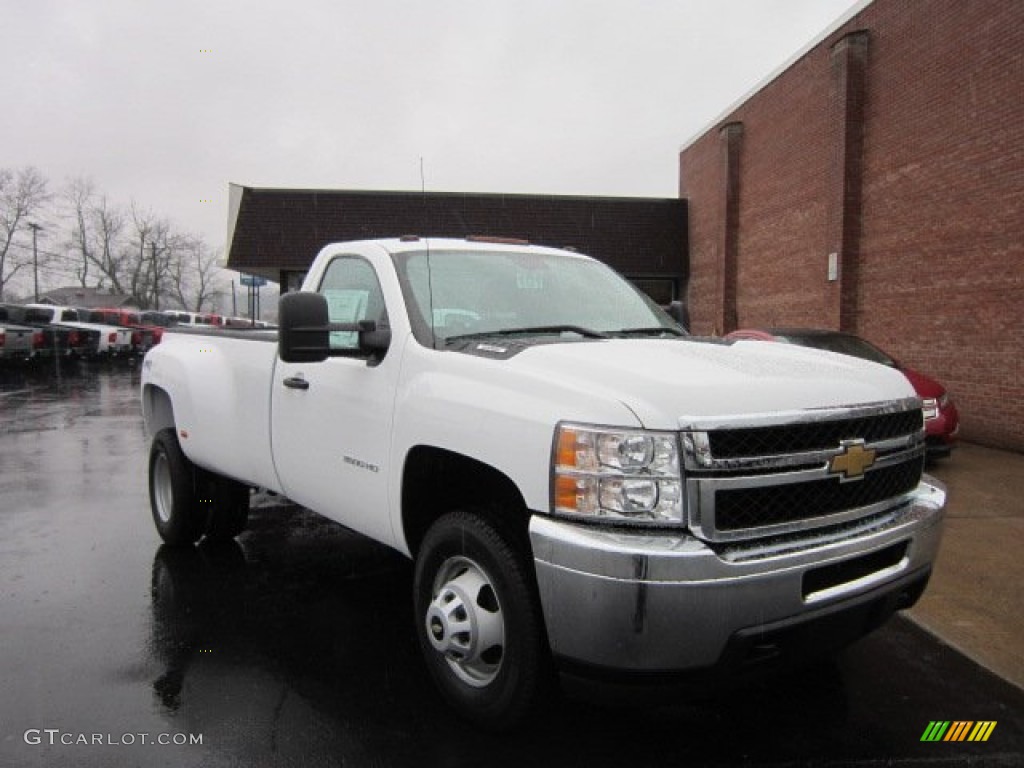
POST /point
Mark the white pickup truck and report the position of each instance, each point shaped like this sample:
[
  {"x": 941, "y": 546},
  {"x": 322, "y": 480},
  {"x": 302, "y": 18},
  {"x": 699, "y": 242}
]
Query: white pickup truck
[
  {"x": 583, "y": 487},
  {"x": 113, "y": 341}
]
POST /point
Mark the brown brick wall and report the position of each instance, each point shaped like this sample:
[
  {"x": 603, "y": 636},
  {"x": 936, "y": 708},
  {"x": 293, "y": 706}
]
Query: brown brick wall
[
  {"x": 699, "y": 180},
  {"x": 938, "y": 278}
]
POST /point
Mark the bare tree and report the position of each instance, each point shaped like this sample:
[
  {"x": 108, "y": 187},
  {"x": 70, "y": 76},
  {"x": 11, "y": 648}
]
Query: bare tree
[
  {"x": 156, "y": 243},
  {"x": 23, "y": 195},
  {"x": 193, "y": 272},
  {"x": 131, "y": 250},
  {"x": 79, "y": 195},
  {"x": 165, "y": 247},
  {"x": 107, "y": 251}
]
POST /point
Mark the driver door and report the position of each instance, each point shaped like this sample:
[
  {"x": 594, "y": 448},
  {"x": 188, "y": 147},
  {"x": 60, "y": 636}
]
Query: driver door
[{"x": 332, "y": 420}]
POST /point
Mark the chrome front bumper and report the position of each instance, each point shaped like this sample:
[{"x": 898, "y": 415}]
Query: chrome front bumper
[{"x": 636, "y": 602}]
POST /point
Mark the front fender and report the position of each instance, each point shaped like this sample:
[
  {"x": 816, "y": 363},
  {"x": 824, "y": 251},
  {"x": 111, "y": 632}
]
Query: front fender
[{"x": 493, "y": 413}]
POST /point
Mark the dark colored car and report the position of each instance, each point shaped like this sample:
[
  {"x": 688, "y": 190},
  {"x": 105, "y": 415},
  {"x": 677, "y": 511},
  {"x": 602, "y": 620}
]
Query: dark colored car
[{"x": 941, "y": 418}]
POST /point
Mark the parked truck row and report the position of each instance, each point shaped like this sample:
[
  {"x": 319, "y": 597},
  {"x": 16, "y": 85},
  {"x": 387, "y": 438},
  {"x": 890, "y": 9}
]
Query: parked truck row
[
  {"x": 35, "y": 332},
  {"x": 586, "y": 491}
]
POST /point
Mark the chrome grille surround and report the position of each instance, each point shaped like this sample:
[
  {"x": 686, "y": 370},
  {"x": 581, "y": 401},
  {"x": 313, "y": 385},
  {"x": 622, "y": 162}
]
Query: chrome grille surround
[{"x": 793, "y": 483}]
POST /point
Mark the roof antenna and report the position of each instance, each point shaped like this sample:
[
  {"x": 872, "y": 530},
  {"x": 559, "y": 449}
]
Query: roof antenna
[{"x": 426, "y": 237}]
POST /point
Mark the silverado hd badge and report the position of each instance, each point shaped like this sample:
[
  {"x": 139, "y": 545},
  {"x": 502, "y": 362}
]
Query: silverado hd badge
[{"x": 852, "y": 461}]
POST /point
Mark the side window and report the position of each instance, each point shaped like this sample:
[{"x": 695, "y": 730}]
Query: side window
[{"x": 353, "y": 294}]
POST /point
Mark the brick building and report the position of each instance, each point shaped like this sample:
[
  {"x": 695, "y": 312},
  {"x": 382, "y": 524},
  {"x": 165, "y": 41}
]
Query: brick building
[{"x": 876, "y": 185}]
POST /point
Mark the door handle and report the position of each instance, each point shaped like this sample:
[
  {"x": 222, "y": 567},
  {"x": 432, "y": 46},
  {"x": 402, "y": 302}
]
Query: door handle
[{"x": 296, "y": 382}]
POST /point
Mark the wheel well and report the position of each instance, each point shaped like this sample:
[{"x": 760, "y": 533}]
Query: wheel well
[
  {"x": 437, "y": 481},
  {"x": 157, "y": 409}
]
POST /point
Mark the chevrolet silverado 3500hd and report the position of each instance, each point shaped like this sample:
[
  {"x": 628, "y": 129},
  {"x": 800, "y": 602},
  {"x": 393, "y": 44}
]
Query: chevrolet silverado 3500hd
[{"x": 582, "y": 486}]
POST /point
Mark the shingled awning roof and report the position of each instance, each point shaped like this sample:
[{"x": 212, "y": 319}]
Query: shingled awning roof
[{"x": 276, "y": 230}]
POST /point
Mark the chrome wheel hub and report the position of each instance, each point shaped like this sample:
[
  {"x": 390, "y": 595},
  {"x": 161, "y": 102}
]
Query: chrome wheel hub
[
  {"x": 464, "y": 621},
  {"x": 163, "y": 491}
]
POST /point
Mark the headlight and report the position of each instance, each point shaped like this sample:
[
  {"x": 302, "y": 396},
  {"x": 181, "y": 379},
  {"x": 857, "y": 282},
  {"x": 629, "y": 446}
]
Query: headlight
[{"x": 617, "y": 475}]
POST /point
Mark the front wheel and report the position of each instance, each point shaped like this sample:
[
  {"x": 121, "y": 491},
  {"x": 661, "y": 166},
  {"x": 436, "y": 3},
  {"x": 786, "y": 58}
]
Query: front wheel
[{"x": 478, "y": 620}]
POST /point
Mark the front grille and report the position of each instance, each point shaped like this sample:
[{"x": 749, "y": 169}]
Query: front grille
[
  {"x": 759, "y": 506},
  {"x": 810, "y": 470},
  {"x": 814, "y": 436}
]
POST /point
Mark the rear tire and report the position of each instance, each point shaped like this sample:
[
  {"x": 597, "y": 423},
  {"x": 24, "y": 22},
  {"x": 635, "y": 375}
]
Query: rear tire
[
  {"x": 478, "y": 620},
  {"x": 228, "y": 505},
  {"x": 179, "y": 517},
  {"x": 188, "y": 502}
]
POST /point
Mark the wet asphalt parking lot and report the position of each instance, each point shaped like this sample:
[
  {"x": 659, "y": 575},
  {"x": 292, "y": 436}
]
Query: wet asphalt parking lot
[{"x": 294, "y": 646}]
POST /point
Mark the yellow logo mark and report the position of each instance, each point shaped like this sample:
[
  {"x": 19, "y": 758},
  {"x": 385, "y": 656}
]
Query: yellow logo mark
[{"x": 852, "y": 461}]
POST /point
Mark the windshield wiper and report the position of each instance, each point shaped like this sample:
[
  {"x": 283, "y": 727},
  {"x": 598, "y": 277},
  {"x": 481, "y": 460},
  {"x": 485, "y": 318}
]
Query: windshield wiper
[
  {"x": 536, "y": 329},
  {"x": 652, "y": 331}
]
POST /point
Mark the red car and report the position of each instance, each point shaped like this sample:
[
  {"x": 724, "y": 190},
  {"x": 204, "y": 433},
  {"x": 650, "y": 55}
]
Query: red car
[{"x": 941, "y": 419}]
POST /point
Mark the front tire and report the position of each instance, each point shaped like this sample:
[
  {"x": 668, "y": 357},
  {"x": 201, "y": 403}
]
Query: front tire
[{"x": 478, "y": 620}]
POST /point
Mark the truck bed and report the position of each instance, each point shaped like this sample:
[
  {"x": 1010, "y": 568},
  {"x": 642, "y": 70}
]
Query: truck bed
[{"x": 222, "y": 406}]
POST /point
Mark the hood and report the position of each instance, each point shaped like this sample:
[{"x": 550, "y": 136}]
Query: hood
[{"x": 670, "y": 384}]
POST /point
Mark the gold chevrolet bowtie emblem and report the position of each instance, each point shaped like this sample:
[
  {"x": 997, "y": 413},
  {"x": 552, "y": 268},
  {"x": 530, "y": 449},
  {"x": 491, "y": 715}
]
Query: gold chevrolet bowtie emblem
[{"x": 852, "y": 462}]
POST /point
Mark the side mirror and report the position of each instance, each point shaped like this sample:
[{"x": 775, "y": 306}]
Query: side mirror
[
  {"x": 374, "y": 340},
  {"x": 303, "y": 335},
  {"x": 679, "y": 312},
  {"x": 304, "y": 331}
]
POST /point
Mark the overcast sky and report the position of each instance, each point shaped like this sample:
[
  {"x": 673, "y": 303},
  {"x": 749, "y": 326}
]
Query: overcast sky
[{"x": 167, "y": 102}]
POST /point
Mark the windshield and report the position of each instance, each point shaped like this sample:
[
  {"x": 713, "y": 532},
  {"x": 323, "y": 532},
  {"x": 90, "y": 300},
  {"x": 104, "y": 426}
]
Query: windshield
[
  {"x": 459, "y": 293},
  {"x": 841, "y": 343}
]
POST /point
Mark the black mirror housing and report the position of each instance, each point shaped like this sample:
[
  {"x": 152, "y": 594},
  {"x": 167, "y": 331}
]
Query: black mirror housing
[
  {"x": 375, "y": 341},
  {"x": 303, "y": 335},
  {"x": 304, "y": 331}
]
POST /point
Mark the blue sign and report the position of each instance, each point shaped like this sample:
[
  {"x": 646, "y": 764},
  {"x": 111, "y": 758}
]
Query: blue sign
[{"x": 253, "y": 280}]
